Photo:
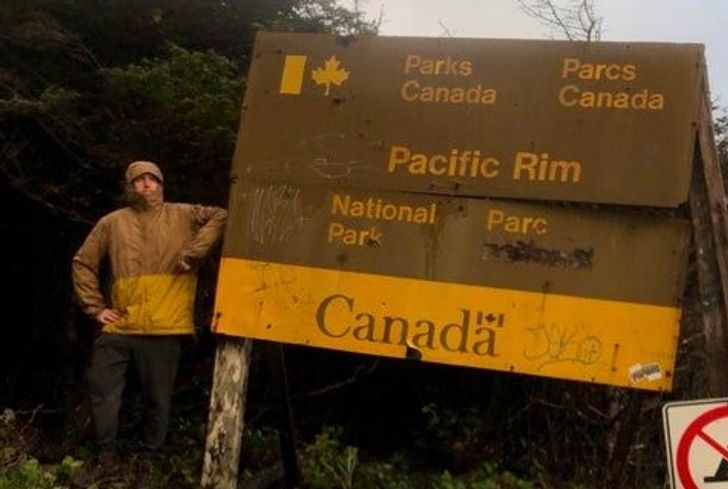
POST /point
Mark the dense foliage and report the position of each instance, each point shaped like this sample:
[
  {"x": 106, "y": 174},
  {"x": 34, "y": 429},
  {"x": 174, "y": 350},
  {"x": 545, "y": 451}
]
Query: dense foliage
[{"x": 86, "y": 85}]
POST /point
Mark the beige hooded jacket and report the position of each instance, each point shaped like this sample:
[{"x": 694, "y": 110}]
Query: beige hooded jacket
[{"x": 145, "y": 243}]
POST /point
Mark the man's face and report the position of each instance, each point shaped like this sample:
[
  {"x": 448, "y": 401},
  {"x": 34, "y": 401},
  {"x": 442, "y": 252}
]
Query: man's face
[{"x": 145, "y": 184}]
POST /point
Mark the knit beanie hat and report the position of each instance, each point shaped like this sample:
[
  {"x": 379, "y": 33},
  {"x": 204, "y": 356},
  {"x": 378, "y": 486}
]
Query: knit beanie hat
[{"x": 139, "y": 168}]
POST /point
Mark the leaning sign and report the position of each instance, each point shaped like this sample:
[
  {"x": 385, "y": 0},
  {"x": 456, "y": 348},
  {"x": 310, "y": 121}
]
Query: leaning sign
[{"x": 363, "y": 211}]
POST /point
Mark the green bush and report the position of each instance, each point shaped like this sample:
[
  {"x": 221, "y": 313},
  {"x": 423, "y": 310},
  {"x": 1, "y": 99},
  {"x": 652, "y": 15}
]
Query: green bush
[
  {"x": 19, "y": 470},
  {"x": 328, "y": 464}
]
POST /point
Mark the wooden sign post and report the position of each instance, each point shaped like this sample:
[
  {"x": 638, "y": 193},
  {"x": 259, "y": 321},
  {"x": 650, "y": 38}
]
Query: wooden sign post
[{"x": 226, "y": 417}]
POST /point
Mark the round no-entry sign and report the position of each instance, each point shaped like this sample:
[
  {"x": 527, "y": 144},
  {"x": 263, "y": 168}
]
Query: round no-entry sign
[{"x": 696, "y": 434}]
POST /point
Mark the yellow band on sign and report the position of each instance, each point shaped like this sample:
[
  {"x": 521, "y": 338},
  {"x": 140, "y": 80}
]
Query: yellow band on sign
[
  {"x": 294, "y": 68},
  {"x": 594, "y": 340}
]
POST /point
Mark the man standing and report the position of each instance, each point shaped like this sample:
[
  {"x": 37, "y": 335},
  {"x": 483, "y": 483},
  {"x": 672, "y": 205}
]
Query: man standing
[{"x": 153, "y": 248}]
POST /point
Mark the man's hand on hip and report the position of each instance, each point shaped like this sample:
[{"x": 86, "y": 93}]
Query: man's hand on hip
[
  {"x": 184, "y": 264},
  {"x": 107, "y": 316}
]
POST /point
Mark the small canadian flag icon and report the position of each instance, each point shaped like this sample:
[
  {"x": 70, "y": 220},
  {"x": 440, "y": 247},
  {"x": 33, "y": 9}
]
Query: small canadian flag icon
[{"x": 294, "y": 71}]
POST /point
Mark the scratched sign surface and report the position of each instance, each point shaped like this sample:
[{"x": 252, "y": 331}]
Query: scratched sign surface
[
  {"x": 538, "y": 289},
  {"x": 587, "y": 122}
]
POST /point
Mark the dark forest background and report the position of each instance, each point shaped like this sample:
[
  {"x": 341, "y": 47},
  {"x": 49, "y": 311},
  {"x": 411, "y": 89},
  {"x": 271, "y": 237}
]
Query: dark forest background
[{"x": 86, "y": 86}]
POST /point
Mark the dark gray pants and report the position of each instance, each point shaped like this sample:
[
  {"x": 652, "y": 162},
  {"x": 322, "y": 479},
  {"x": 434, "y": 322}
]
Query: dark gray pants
[{"x": 156, "y": 359}]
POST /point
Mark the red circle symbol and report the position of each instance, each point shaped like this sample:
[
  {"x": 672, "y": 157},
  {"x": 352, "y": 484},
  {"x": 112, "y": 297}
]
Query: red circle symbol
[{"x": 693, "y": 432}]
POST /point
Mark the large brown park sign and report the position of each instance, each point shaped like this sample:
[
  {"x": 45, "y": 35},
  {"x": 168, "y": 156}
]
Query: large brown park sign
[
  {"x": 523, "y": 288},
  {"x": 432, "y": 199},
  {"x": 587, "y": 122}
]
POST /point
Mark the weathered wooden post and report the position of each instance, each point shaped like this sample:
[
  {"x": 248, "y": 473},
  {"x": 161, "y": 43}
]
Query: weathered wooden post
[
  {"x": 708, "y": 209},
  {"x": 226, "y": 418}
]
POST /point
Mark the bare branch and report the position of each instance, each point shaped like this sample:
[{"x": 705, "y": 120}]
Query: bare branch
[
  {"x": 590, "y": 24},
  {"x": 546, "y": 12},
  {"x": 9, "y": 160},
  {"x": 380, "y": 18},
  {"x": 355, "y": 376},
  {"x": 446, "y": 32},
  {"x": 576, "y": 22}
]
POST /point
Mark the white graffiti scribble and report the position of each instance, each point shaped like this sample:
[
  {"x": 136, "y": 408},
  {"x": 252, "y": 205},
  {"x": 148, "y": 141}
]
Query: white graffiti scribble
[{"x": 275, "y": 212}]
